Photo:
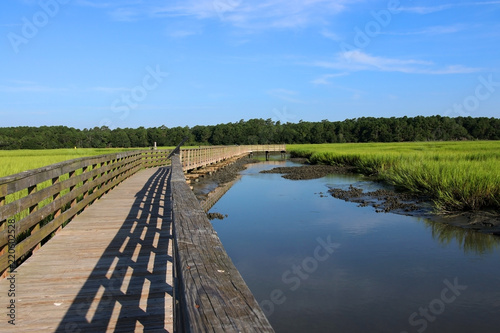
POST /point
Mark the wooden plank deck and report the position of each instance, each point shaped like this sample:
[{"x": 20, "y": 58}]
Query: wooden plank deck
[{"x": 109, "y": 270}]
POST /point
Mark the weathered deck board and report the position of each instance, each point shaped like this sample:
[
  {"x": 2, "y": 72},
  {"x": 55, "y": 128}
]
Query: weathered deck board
[{"x": 110, "y": 269}]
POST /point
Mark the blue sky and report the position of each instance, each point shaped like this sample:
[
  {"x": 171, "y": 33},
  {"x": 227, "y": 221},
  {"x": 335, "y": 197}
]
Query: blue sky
[{"x": 131, "y": 63}]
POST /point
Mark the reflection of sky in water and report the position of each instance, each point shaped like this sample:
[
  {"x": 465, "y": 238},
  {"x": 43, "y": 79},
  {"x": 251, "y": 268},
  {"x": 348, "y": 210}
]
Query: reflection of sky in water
[{"x": 386, "y": 268}]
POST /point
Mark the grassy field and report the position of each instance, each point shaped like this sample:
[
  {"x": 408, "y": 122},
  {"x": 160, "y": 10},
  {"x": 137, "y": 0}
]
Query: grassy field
[
  {"x": 456, "y": 175},
  {"x": 15, "y": 161}
]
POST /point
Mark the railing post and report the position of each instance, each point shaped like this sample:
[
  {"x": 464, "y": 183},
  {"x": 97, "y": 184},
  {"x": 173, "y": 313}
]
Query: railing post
[{"x": 56, "y": 196}]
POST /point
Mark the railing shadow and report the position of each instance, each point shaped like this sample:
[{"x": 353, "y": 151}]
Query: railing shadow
[{"x": 134, "y": 264}]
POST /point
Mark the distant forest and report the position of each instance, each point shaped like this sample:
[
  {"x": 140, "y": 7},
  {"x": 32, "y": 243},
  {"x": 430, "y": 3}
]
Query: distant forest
[{"x": 257, "y": 131}]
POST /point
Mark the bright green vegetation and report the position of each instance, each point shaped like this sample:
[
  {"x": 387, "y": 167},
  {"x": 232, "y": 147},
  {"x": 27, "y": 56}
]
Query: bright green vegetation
[
  {"x": 462, "y": 175},
  {"x": 15, "y": 161}
]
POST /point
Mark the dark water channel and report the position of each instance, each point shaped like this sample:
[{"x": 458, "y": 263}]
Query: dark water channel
[{"x": 319, "y": 264}]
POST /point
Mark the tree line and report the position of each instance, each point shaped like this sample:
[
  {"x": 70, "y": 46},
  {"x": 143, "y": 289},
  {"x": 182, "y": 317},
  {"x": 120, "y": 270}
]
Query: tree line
[{"x": 257, "y": 131}]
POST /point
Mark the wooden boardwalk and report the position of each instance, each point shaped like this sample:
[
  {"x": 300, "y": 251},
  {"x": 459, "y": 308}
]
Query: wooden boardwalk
[
  {"x": 109, "y": 270},
  {"x": 139, "y": 253}
]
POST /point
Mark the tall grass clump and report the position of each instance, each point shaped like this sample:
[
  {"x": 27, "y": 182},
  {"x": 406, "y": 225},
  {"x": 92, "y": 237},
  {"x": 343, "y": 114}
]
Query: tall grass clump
[{"x": 455, "y": 175}]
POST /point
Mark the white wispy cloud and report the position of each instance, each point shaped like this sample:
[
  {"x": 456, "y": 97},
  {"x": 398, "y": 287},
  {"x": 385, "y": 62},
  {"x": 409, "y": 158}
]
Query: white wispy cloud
[
  {"x": 325, "y": 79},
  {"x": 29, "y": 86},
  {"x": 285, "y": 95},
  {"x": 433, "y": 9},
  {"x": 360, "y": 61},
  {"x": 109, "y": 90},
  {"x": 283, "y": 14},
  {"x": 434, "y": 30},
  {"x": 181, "y": 33},
  {"x": 425, "y": 10},
  {"x": 451, "y": 69},
  {"x": 126, "y": 14},
  {"x": 251, "y": 15},
  {"x": 24, "y": 86},
  {"x": 22, "y": 82},
  {"x": 94, "y": 4},
  {"x": 331, "y": 35}
]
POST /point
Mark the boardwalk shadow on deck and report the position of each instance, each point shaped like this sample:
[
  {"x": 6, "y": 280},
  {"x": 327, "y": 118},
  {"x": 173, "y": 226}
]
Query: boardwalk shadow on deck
[{"x": 134, "y": 263}]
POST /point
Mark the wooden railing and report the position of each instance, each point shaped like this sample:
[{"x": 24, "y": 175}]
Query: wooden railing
[
  {"x": 270, "y": 148},
  {"x": 210, "y": 294},
  {"x": 197, "y": 157},
  {"x": 155, "y": 158},
  {"x": 35, "y": 204}
]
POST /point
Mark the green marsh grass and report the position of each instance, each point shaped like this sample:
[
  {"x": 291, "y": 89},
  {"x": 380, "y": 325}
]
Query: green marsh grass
[
  {"x": 15, "y": 161},
  {"x": 461, "y": 175}
]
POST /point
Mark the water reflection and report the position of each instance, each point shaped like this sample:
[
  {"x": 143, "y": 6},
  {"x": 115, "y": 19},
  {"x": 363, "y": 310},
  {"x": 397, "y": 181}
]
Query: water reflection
[
  {"x": 387, "y": 267},
  {"x": 470, "y": 241}
]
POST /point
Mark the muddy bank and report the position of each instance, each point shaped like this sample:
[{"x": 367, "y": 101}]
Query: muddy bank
[
  {"x": 218, "y": 216},
  {"x": 390, "y": 201},
  {"x": 300, "y": 160},
  {"x": 309, "y": 171},
  {"x": 481, "y": 221},
  {"x": 384, "y": 200},
  {"x": 207, "y": 184},
  {"x": 230, "y": 172}
]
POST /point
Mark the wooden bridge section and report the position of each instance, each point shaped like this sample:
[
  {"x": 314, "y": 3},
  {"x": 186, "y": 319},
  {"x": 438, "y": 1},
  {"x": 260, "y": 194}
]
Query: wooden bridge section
[
  {"x": 111, "y": 268},
  {"x": 199, "y": 157}
]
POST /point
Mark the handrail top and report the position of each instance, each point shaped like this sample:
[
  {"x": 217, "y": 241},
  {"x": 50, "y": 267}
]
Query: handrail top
[{"x": 229, "y": 146}]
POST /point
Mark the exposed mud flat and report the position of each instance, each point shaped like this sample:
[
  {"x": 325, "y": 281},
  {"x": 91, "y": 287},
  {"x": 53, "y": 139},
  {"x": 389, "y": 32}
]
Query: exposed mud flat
[
  {"x": 229, "y": 173},
  {"x": 218, "y": 216},
  {"x": 309, "y": 171},
  {"x": 385, "y": 201},
  {"x": 482, "y": 221},
  {"x": 390, "y": 201},
  {"x": 382, "y": 200}
]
